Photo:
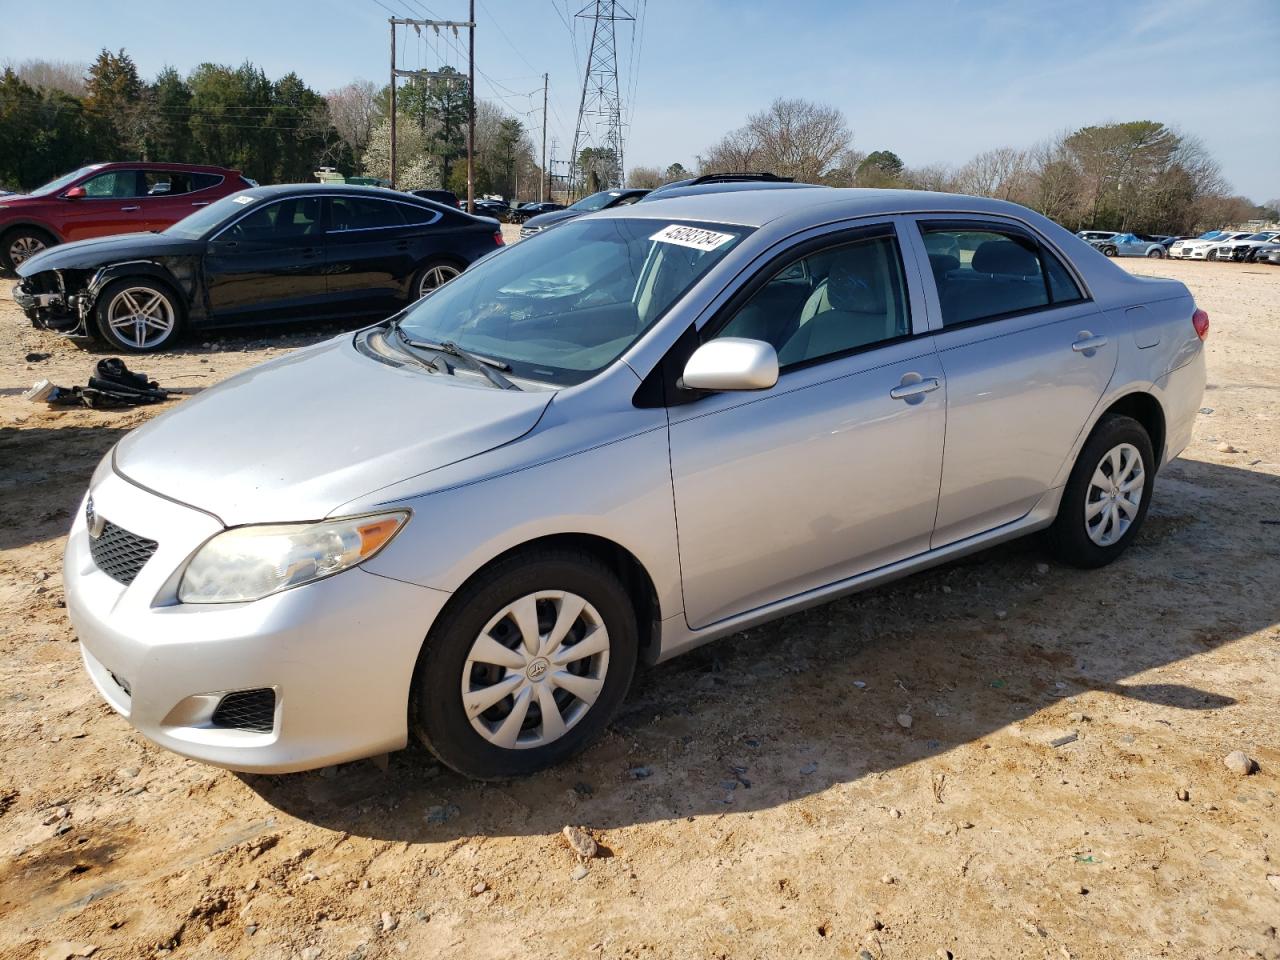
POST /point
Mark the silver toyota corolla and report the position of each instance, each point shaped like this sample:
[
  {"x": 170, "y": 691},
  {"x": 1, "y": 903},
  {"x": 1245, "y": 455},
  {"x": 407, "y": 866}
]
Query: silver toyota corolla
[{"x": 620, "y": 439}]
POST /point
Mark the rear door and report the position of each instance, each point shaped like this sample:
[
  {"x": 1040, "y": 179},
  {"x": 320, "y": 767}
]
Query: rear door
[
  {"x": 1027, "y": 356},
  {"x": 269, "y": 264},
  {"x": 370, "y": 255},
  {"x": 112, "y": 204},
  {"x": 834, "y": 470}
]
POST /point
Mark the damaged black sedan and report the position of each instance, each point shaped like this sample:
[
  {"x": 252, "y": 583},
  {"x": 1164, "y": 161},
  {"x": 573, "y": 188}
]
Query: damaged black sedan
[{"x": 265, "y": 255}]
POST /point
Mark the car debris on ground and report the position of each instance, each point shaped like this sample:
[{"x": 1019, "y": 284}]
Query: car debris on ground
[{"x": 112, "y": 384}]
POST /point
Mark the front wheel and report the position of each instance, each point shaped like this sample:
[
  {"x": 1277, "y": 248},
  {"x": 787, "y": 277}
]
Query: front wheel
[
  {"x": 1155, "y": 254},
  {"x": 1107, "y": 494},
  {"x": 1109, "y": 251},
  {"x": 526, "y": 666},
  {"x": 138, "y": 315},
  {"x": 22, "y": 243},
  {"x": 1212, "y": 255}
]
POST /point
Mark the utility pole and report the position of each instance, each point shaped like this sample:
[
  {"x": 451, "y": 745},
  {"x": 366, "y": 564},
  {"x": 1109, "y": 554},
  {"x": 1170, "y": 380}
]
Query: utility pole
[
  {"x": 392, "y": 175},
  {"x": 471, "y": 119},
  {"x": 453, "y": 25},
  {"x": 601, "y": 98},
  {"x": 543, "y": 180}
]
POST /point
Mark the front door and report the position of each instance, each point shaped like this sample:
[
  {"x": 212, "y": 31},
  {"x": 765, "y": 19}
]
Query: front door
[
  {"x": 834, "y": 470},
  {"x": 113, "y": 203},
  {"x": 269, "y": 265},
  {"x": 1027, "y": 356}
]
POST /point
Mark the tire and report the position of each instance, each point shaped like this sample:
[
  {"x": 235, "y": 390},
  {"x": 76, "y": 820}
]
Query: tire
[
  {"x": 477, "y": 623},
  {"x": 432, "y": 275},
  {"x": 1211, "y": 255},
  {"x": 1086, "y": 542},
  {"x": 20, "y": 243},
  {"x": 119, "y": 323},
  {"x": 1109, "y": 251},
  {"x": 1156, "y": 254}
]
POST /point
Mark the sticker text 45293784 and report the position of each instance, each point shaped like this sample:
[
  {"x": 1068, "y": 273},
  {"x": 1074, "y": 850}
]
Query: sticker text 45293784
[{"x": 696, "y": 237}]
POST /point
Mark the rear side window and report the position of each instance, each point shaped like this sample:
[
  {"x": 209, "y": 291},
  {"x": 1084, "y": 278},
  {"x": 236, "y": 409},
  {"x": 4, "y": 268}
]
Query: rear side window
[
  {"x": 985, "y": 272},
  {"x": 417, "y": 216},
  {"x": 162, "y": 183},
  {"x": 359, "y": 213},
  {"x": 203, "y": 181}
]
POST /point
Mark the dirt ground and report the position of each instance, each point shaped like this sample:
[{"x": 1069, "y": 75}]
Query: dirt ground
[{"x": 786, "y": 813}]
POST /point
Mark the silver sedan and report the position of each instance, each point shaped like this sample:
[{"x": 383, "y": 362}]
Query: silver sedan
[{"x": 641, "y": 431}]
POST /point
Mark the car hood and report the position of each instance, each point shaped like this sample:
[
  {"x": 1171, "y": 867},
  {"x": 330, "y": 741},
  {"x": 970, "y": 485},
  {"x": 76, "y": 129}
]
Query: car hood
[
  {"x": 87, "y": 254},
  {"x": 544, "y": 220},
  {"x": 297, "y": 437}
]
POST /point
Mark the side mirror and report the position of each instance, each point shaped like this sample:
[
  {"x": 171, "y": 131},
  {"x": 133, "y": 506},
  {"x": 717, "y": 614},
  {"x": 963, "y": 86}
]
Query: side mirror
[
  {"x": 732, "y": 363},
  {"x": 75, "y": 193}
]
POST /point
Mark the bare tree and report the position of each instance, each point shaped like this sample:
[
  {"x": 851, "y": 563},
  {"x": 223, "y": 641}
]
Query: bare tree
[
  {"x": 1000, "y": 173},
  {"x": 353, "y": 111},
  {"x": 644, "y": 178},
  {"x": 792, "y": 137},
  {"x": 936, "y": 176},
  {"x": 64, "y": 75}
]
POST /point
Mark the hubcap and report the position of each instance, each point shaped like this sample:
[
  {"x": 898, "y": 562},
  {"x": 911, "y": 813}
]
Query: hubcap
[
  {"x": 535, "y": 669},
  {"x": 24, "y": 248},
  {"x": 436, "y": 277},
  {"x": 1115, "y": 491},
  {"x": 140, "y": 316}
]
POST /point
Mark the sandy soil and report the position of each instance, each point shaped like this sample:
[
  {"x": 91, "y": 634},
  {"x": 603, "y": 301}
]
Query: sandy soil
[{"x": 787, "y": 813}]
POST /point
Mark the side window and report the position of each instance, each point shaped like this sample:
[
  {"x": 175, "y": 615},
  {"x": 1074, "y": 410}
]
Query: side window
[
  {"x": 829, "y": 302},
  {"x": 162, "y": 183},
  {"x": 203, "y": 181},
  {"x": 417, "y": 216},
  {"x": 284, "y": 220},
  {"x": 359, "y": 213},
  {"x": 120, "y": 184},
  {"x": 984, "y": 272}
]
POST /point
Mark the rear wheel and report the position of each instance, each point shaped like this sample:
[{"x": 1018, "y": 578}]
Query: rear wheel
[
  {"x": 1109, "y": 251},
  {"x": 23, "y": 243},
  {"x": 1106, "y": 497},
  {"x": 526, "y": 666},
  {"x": 138, "y": 315},
  {"x": 433, "y": 276}
]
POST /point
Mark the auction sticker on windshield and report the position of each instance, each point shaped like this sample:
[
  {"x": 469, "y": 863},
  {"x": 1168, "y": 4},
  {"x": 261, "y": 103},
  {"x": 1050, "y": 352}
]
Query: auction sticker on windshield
[{"x": 695, "y": 237}]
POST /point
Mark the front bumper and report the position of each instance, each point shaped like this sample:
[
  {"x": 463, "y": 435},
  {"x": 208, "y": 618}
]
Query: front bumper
[
  {"x": 53, "y": 309},
  {"x": 338, "y": 654}
]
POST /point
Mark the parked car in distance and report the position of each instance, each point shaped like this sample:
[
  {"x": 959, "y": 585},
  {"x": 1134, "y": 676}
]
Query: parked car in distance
[
  {"x": 644, "y": 430},
  {"x": 1244, "y": 250},
  {"x": 1132, "y": 245},
  {"x": 1093, "y": 236},
  {"x": 498, "y": 209},
  {"x": 1268, "y": 253},
  {"x": 108, "y": 198},
  {"x": 603, "y": 200},
  {"x": 264, "y": 255},
  {"x": 1205, "y": 246},
  {"x": 526, "y": 210},
  {"x": 447, "y": 197}
]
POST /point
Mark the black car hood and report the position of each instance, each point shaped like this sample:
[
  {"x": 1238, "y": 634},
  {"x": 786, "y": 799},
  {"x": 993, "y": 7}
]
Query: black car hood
[
  {"x": 87, "y": 254},
  {"x": 544, "y": 220}
]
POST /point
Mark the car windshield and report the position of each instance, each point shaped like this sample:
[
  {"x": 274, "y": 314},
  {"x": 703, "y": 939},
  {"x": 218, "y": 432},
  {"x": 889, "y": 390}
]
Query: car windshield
[
  {"x": 597, "y": 201},
  {"x": 562, "y": 307},
  {"x": 1259, "y": 236},
  {"x": 53, "y": 186},
  {"x": 207, "y": 218}
]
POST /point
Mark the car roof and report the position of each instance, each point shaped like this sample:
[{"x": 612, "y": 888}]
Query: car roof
[
  {"x": 347, "y": 189},
  {"x": 750, "y": 206},
  {"x": 152, "y": 165}
]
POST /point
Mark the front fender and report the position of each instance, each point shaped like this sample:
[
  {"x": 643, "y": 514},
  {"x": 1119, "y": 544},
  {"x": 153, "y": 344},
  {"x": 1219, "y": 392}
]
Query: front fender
[{"x": 181, "y": 277}]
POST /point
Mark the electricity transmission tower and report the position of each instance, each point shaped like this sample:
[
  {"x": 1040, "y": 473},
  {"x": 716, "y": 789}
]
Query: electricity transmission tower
[{"x": 600, "y": 109}]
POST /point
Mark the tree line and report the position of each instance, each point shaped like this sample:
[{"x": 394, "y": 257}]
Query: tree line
[
  {"x": 1141, "y": 176},
  {"x": 56, "y": 116}
]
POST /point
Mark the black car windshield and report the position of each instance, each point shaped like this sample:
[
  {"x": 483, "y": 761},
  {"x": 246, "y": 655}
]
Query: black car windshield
[
  {"x": 561, "y": 307},
  {"x": 53, "y": 186},
  {"x": 597, "y": 201},
  {"x": 207, "y": 218}
]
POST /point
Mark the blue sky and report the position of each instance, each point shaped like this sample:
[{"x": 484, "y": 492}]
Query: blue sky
[{"x": 932, "y": 80}]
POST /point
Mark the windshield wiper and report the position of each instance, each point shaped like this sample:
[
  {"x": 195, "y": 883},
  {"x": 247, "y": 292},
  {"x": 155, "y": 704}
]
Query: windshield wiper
[{"x": 485, "y": 365}]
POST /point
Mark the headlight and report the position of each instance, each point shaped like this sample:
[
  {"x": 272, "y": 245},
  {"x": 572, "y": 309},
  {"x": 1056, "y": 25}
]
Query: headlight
[{"x": 249, "y": 563}]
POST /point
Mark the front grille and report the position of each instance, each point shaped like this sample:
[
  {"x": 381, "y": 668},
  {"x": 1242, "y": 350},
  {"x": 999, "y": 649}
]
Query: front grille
[
  {"x": 253, "y": 710},
  {"x": 118, "y": 553}
]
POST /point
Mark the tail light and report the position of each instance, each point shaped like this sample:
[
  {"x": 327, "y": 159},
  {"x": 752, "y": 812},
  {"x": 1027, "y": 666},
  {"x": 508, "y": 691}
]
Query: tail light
[
  {"x": 497, "y": 238},
  {"x": 1200, "y": 320}
]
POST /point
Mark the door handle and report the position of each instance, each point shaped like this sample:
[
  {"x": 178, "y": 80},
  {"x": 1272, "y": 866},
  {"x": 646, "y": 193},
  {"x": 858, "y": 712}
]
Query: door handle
[
  {"x": 130, "y": 209},
  {"x": 1086, "y": 343},
  {"x": 199, "y": 203},
  {"x": 914, "y": 388}
]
